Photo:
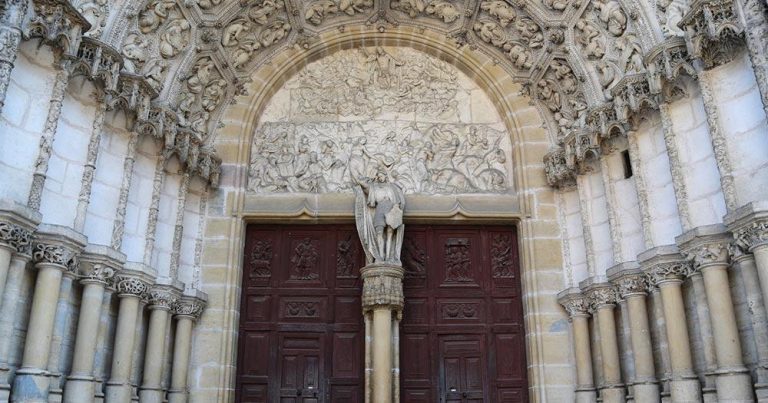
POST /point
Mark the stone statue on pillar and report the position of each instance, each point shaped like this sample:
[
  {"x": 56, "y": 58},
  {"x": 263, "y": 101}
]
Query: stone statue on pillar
[{"x": 379, "y": 205}]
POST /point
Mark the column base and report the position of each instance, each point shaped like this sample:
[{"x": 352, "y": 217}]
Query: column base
[
  {"x": 685, "y": 390},
  {"x": 586, "y": 395},
  {"x": 118, "y": 392},
  {"x": 98, "y": 390},
  {"x": 734, "y": 386},
  {"x": 177, "y": 396},
  {"x": 30, "y": 386},
  {"x": 761, "y": 390},
  {"x": 613, "y": 394},
  {"x": 646, "y": 392},
  {"x": 151, "y": 395},
  {"x": 55, "y": 393},
  {"x": 79, "y": 389}
]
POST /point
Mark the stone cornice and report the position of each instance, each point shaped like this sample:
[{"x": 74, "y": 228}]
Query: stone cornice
[
  {"x": 664, "y": 264},
  {"x": 749, "y": 225},
  {"x": 705, "y": 246},
  {"x": 574, "y": 302}
]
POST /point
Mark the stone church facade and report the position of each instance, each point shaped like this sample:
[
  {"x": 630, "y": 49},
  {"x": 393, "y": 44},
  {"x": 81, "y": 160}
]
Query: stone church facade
[{"x": 585, "y": 210}]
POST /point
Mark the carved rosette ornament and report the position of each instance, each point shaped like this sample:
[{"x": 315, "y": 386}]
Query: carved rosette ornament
[
  {"x": 131, "y": 286},
  {"x": 382, "y": 287},
  {"x": 162, "y": 298},
  {"x": 713, "y": 31}
]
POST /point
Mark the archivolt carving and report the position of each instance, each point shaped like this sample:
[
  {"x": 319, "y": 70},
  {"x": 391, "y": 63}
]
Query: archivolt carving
[{"x": 445, "y": 10}]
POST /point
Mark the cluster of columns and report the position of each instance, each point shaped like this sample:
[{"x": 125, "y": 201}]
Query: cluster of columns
[
  {"x": 703, "y": 254},
  {"x": 47, "y": 262}
]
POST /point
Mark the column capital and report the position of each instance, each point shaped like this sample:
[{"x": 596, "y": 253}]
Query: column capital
[
  {"x": 190, "y": 306},
  {"x": 628, "y": 279},
  {"x": 382, "y": 286},
  {"x": 574, "y": 302},
  {"x": 599, "y": 293},
  {"x": 749, "y": 225},
  {"x": 705, "y": 246},
  {"x": 131, "y": 285},
  {"x": 664, "y": 264},
  {"x": 162, "y": 297},
  {"x": 100, "y": 264},
  {"x": 17, "y": 224},
  {"x": 58, "y": 246}
]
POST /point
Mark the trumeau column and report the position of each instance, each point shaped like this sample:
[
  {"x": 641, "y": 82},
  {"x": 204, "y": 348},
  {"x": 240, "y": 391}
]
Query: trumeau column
[
  {"x": 665, "y": 269},
  {"x": 576, "y": 305},
  {"x": 602, "y": 300},
  {"x": 131, "y": 287},
  {"x": 54, "y": 253},
  {"x": 49, "y": 131},
  {"x": 186, "y": 311},
  {"x": 100, "y": 264},
  {"x": 631, "y": 285},
  {"x": 161, "y": 300},
  {"x": 10, "y": 38},
  {"x": 707, "y": 248}
]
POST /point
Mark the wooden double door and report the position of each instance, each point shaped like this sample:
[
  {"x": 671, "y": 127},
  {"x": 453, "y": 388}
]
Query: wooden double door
[{"x": 301, "y": 329}]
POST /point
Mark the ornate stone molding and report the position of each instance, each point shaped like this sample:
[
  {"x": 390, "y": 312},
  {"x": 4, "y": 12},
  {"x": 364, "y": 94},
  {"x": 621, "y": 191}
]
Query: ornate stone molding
[
  {"x": 713, "y": 31},
  {"x": 632, "y": 94},
  {"x": 382, "y": 286},
  {"x": 749, "y": 225},
  {"x": 664, "y": 264},
  {"x": 574, "y": 302},
  {"x": 57, "y": 22}
]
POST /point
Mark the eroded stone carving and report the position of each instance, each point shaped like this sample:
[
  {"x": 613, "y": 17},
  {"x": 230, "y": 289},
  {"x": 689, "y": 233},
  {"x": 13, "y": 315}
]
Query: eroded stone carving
[
  {"x": 447, "y": 11},
  {"x": 317, "y": 11}
]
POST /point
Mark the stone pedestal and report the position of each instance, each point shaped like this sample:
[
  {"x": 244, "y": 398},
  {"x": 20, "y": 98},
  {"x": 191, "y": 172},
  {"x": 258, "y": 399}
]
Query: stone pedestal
[
  {"x": 382, "y": 299},
  {"x": 54, "y": 252},
  {"x": 632, "y": 286},
  {"x": 99, "y": 265},
  {"x": 707, "y": 249},
  {"x": 576, "y": 305},
  {"x": 665, "y": 269}
]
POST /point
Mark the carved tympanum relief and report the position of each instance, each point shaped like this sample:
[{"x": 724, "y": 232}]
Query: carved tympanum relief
[{"x": 358, "y": 111}]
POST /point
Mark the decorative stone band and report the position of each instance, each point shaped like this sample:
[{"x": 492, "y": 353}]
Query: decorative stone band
[
  {"x": 191, "y": 307},
  {"x": 162, "y": 298},
  {"x": 16, "y": 237},
  {"x": 574, "y": 302},
  {"x": 382, "y": 286},
  {"x": 131, "y": 286}
]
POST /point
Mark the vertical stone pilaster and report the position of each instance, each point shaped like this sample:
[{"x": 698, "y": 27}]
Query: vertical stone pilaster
[
  {"x": 676, "y": 167},
  {"x": 631, "y": 285},
  {"x": 89, "y": 169},
  {"x": 55, "y": 252},
  {"x": 99, "y": 267},
  {"x": 49, "y": 131},
  {"x": 602, "y": 301},
  {"x": 642, "y": 192},
  {"x": 118, "y": 228},
  {"x": 665, "y": 268},
  {"x": 186, "y": 311},
  {"x": 161, "y": 300},
  {"x": 154, "y": 208},
  {"x": 576, "y": 305},
  {"x": 382, "y": 301},
  {"x": 178, "y": 232},
  {"x": 707, "y": 249}
]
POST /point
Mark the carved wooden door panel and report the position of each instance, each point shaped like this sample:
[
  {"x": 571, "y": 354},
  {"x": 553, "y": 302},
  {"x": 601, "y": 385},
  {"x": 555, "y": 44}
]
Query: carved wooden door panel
[
  {"x": 462, "y": 328},
  {"x": 301, "y": 329}
]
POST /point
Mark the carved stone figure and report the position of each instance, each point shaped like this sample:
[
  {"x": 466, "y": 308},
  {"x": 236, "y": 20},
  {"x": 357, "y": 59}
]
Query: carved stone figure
[
  {"x": 379, "y": 205},
  {"x": 274, "y": 32},
  {"x": 491, "y": 32},
  {"x": 520, "y": 56},
  {"x": 260, "y": 14},
  {"x": 499, "y": 9},
  {"x": 154, "y": 72},
  {"x": 590, "y": 39},
  {"x": 610, "y": 13},
  {"x": 557, "y": 5},
  {"x": 443, "y": 10},
  {"x": 234, "y": 32},
  {"x": 155, "y": 14},
  {"x": 96, "y": 12},
  {"x": 175, "y": 38},
  {"x": 631, "y": 54},
  {"x": 318, "y": 9},
  {"x": 531, "y": 31},
  {"x": 136, "y": 47}
]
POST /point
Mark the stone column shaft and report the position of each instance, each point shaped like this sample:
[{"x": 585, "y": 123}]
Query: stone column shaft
[
  {"x": 60, "y": 333},
  {"x": 181, "y": 349},
  {"x": 761, "y": 261},
  {"x": 709, "y": 390},
  {"x": 382, "y": 355},
  {"x": 576, "y": 305},
  {"x": 745, "y": 265},
  {"x": 642, "y": 192},
  {"x": 8, "y": 316},
  {"x": 675, "y": 166},
  {"x": 178, "y": 233},
  {"x": 645, "y": 389},
  {"x": 161, "y": 301},
  {"x": 154, "y": 208}
]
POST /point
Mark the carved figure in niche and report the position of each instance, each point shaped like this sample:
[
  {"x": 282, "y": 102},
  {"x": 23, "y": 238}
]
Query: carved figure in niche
[
  {"x": 208, "y": 4},
  {"x": 605, "y": 73},
  {"x": 557, "y": 5},
  {"x": 519, "y": 55},
  {"x": 631, "y": 52},
  {"x": 154, "y": 72},
  {"x": 317, "y": 10},
  {"x": 590, "y": 38},
  {"x": 491, "y": 32},
  {"x": 564, "y": 76},
  {"x": 260, "y": 14},
  {"x": 175, "y": 38},
  {"x": 530, "y": 30},
  {"x": 95, "y": 12},
  {"x": 610, "y": 13},
  {"x": 457, "y": 261},
  {"x": 548, "y": 95},
  {"x": 202, "y": 74},
  {"x": 381, "y": 65},
  {"x": 414, "y": 258},
  {"x": 274, "y": 32},
  {"x": 379, "y": 205},
  {"x": 234, "y": 32},
  {"x": 671, "y": 13},
  {"x": 346, "y": 257},
  {"x": 444, "y": 10},
  {"x": 304, "y": 259},
  {"x": 135, "y": 48},
  {"x": 499, "y": 9},
  {"x": 261, "y": 259},
  {"x": 214, "y": 94},
  {"x": 154, "y": 15}
]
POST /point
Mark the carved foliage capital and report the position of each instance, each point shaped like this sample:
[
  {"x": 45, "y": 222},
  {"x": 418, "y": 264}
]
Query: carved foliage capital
[
  {"x": 130, "y": 285},
  {"x": 575, "y": 305},
  {"x": 189, "y": 307},
  {"x": 669, "y": 271},
  {"x": 601, "y": 296},
  {"x": 56, "y": 254},
  {"x": 162, "y": 298},
  {"x": 100, "y": 273},
  {"x": 707, "y": 254},
  {"x": 752, "y": 235},
  {"x": 17, "y": 237},
  {"x": 632, "y": 284}
]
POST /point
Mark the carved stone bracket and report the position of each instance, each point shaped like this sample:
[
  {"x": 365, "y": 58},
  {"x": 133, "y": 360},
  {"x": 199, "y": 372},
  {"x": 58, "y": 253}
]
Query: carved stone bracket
[
  {"x": 574, "y": 302},
  {"x": 749, "y": 225},
  {"x": 705, "y": 246},
  {"x": 713, "y": 31},
  {"x": 382, "y": 286},
  {"x": 664, "y": 264},
  {"x": 57, "y": 246}
]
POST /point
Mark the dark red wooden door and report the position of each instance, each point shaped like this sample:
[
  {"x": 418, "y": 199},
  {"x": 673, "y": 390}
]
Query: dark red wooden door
[
  {"x": 462, "y": 328},
  {"x": 301, "y": 327}
]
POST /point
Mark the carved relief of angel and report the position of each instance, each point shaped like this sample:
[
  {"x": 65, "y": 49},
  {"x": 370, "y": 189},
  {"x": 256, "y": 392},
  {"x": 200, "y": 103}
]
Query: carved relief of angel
[
  {"x": 208, "y": 4},
  {"x": 155, "y": 14},
  {"x": 548, "y": 95},
  {"x": 564, "y": 76},
  {"x": 350, "y": 7},
  {"x": 242, "y": 55},
  {"x": 214, "y": 94},
  {"x": 154, "y": 72},
  {"x": 202, "y": 75},
  {"x": 590, "y": 38},
  {"x": 261, "y": 14},
  {"x": 612, "y": 15},
  {"x": 274, "y": 32},
  {"x": 175, "y": 39},
  {"x": 520, "y": 56},
  {"x": 605, "y": 73},
  {"x": 499, "y": 9},
  {"x": 234, "y": 32},
  {"x": 444, "y": 10}
]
